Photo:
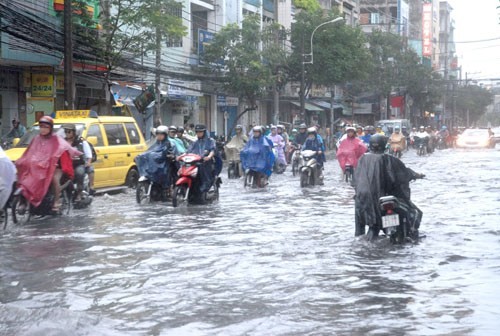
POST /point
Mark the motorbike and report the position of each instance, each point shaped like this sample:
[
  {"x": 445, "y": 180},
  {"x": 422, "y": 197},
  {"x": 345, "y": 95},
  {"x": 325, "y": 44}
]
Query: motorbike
[
  {"x": 296, "y": 159},
  {"x": 187, "y": 186},
  {"x": 234, "y": 163},
  {"x": 309, "y": 175},
  {"x": 23, "y": 210},
  {"x": 148, "y": 191},
  {"x": 441, "y": 143},
  {"x": 395, "y": 151},
  {"x": 85, "y": 197},
  {"x": 348, "y": 172},
  {"x": 421, "y": 145},
  {"x": 278, "y": 168},
  {"x": 220, "y": 143},
  {"x": 254, "y": 179}
]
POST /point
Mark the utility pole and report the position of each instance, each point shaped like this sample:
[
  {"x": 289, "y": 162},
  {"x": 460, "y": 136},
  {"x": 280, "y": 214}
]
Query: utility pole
[
  {"x": 157, "y": 114},
  {"x": 302, "y": 84},
  {"x": 276, "y": 92},
  {"x": 388, "y": 15},
  {"x": 68, "y": 56}
]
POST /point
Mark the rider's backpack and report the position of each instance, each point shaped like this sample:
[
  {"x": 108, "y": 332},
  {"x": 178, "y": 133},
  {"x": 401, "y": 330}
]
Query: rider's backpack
[{"x": 94, "y": 154}]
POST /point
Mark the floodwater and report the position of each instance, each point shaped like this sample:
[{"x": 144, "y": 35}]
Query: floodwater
[{"x": 283, "y": 261}]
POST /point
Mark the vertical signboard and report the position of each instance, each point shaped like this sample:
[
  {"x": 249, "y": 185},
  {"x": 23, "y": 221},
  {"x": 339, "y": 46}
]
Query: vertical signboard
[
  {"x": 427, "y": 30},
  {"x": 204, "y": 38},
  {"x": 42, "y": 85}
]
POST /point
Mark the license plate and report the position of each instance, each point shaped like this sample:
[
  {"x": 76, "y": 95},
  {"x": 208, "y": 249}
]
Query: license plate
[{"x": 390, "y": 221}]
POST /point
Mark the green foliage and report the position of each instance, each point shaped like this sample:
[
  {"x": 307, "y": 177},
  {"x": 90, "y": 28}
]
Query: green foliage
[
  {"x": 473, "y": 98},
  {"x": 235, "y": 56},
  {"x": 308, "y": 5},
  {"x": 340, "y": 55},
  {"x": 130, "y": 27}
]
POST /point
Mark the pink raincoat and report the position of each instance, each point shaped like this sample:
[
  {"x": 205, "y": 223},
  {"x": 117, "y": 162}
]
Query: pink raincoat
[{"x": 349, "y": 152}]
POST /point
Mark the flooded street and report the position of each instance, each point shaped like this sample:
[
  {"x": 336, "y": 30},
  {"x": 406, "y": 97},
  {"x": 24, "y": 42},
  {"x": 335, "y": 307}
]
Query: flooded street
[{"x": 278, "y": 262}]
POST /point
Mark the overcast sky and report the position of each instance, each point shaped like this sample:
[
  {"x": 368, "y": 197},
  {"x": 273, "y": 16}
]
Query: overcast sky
[{"x": 478, "y": 20}]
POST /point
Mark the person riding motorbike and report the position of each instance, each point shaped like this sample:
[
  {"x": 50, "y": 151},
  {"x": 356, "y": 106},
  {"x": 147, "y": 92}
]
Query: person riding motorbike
[
  {"x": 313, "y": 143},
  {"x": 378, "y": 130},
  {"x": 350, "y": 149},
  {"x": 367, "y": 135},
  {"x": 379, "y": 175},
  {"x": 445, "y": 135},
  {"x": 237, "y": 143},
  {"x": 205, "y": 147},
  {"x": 301, "y": 137},
  {"x": 279, "y": 143},
  {"x": 81, "y": 164},
  {"x": 432, "y": 139},
  {"x": 293, "y": 135},
  {"x": 180, "y": 135},
  {"x": 17, "y": 131},
  {"x": 7, "y": 178},
  {"x": 175, "y": 141},
  {"x": 258, "y": 154},
  {"x": 158, "y": 162},
  {"x": 282, "y": 131},
  {"x": 359, "y": 131},
  {"x": 44, "y": 162},
  {"x": 397, "y": 140}
]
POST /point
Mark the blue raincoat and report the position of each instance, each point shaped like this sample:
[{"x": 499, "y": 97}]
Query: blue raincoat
[
  {"x": 154, "y": 163},
  {"x": 315, "y": 145},
  {"x": 208, "y": 171},
  {"x": 366, "y": 138},
  {"x": 258, "y": 155}
]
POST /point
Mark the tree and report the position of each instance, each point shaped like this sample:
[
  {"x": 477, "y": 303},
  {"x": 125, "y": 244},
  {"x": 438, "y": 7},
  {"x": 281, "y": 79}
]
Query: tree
[
  {"x": 340, "y": 55},
  {"x": 244, "y": 69},
  {"x": 134, "y": 28},
  {"x": 472, "y": 102},
  {"x": 309, "y": 5}
]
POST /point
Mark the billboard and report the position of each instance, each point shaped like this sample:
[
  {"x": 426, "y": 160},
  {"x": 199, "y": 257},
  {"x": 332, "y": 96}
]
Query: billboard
[{"x": 427, "y": 30}]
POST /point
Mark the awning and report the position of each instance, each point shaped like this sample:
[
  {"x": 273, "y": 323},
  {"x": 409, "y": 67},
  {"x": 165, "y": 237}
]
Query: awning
[
  {"x": 326, "y": 105},
  {"x": 309, "y": 107}
]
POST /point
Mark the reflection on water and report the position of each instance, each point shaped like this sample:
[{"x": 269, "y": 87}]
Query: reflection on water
[{"x": 279, "y": 262}]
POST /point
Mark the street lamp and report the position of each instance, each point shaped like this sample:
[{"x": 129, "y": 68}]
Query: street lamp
[
  {"x": 303, "y": 63},
  {"x": 312, "y": 36}
]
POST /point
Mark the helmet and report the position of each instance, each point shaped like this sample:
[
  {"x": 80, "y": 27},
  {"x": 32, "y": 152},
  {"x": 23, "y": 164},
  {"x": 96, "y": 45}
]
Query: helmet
[
  {"x": 70, "y": 127},
  {"x": 162, "y": 129},
  {"x": 311, "y": 130},
  {"x": 422, "y": 127},
  {"x": 378, "y": 143},
  {"x": 200, "y": 128},
  {"x": 273, "y": 127},
  {"x": 350, "y": 128},
  {"x": 172, "y": 128},
  {"x": 359, "y": 127},
  {"x": 396, "y": 129},
  {"x": 238, "y": 127},
  {"x": 444, "y": 128},
  {"x": 379, "y": 126},
  {"x": 367, "y": 128},
  {"x": 46, "y": 120},
  {"x": 180, "y": 129},
  {"x": 302, "y": 126},
  {"x": 281, "y": 126},
  {"x": 404, "y": 127},
  {"x": 257, "y": 129},
  {"x": 294, "y": 130}
]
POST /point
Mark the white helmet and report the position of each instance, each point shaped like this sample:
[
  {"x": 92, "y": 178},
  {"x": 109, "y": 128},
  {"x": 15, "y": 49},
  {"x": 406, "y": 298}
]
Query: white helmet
[{"x": 162, "y": 129}]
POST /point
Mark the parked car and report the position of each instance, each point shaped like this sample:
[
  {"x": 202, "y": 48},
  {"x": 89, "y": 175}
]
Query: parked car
[
  {"x": 475, "y": 138},
  {"x": 116, "y": 140},
  {"x": 496, "y": 136}
]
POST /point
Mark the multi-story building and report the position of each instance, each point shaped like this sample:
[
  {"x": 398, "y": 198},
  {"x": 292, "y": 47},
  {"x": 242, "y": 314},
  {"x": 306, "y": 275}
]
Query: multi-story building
[
  {"x": 31, "y": 74},
  {"x": 386, "y": 15},
  {"x": 447, "y": 56},
  {"x": 349, "y": 8}
]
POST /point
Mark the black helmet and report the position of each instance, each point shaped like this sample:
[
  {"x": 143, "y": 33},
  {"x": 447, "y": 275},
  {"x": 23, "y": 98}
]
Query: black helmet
[
  {"x": 180, "y": 129},
  {"x": 303, "y": 126},
  {"x": 378, "y": 143},
  {"x": 200, "y": 128}
]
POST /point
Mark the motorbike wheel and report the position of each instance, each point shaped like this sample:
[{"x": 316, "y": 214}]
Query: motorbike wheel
[
  {"x": 142, "y": 195},
  {"x": 347, "y": 175},
  {"x": 304, "y": 179},
  {"x": 231, "y": 172},
  {"x": 21, "y": 210},
  {"x": 249, "y": 179},
  {"x": 4, "y": 215},
  {"x": 179, "y": 197},
  {"x": 295, "y": 168},
  {"x": 66, "y": 202}
]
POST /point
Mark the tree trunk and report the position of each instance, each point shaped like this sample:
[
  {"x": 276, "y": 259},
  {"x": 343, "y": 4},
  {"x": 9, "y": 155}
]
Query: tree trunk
[{"x": 157, "y": 115}]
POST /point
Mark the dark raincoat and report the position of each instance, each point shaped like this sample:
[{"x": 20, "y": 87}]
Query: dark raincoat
[
  {"x": 209, "y": 170},
  {"x": 154, "y": 163},
  {"x": 379, "y": 175},
  {"x": 315, "y": 145},
  {"x": 300, "y": 138},
  {"x": 258, "y": 155}
]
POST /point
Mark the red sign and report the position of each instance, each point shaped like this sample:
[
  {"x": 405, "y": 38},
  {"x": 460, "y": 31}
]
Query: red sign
[{"x": 427, "y": 30}]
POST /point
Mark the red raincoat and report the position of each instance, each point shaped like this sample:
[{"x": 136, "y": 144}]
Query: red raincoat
[
  {"x": 39, "y": 162},
  {"x": 349, "y": 152}
]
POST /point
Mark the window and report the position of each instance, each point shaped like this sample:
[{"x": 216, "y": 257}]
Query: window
[
  {"x": 375, "y": 18},
  {"x": 116, "y": 134},
  {"x": 95, "y": 131},
  {"x": 133, "y": 134}
]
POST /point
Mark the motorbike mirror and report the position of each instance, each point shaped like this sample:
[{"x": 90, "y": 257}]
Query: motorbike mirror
[
  {"x": 15, "y": 142},
  {"x": 92, "y": 140}
]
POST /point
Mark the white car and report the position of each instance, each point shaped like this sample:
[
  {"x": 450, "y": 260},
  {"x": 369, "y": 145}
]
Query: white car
[{"x": 475, "y": 138}]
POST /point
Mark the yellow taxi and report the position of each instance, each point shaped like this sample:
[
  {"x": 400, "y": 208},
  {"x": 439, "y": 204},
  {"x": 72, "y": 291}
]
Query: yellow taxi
[{"x": 117, "y": 140}]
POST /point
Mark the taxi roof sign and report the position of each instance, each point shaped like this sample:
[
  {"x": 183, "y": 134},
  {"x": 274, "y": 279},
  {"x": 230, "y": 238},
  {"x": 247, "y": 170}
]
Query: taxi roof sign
[{"x": 71, "y": 114}]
